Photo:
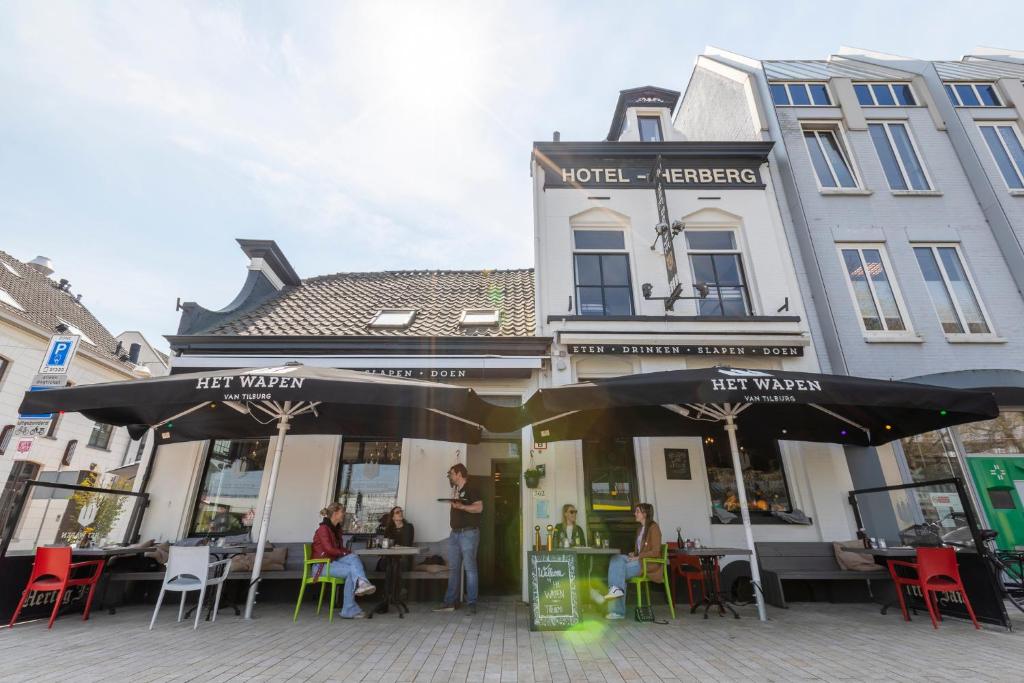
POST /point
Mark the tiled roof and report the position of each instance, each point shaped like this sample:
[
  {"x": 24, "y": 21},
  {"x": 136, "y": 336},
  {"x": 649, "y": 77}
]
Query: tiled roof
[
  {"x": 46, "y": 306},
  {"x": 343, "y": 304},
  {"x": 822, "y": 70},
  {"x": 978, "y": 69}
]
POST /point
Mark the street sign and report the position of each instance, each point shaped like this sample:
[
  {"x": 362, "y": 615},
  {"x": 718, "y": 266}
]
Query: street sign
[
  {"x": 59, "y": 354},
  {"x": 24, "y": 446},
  {"x": 49, "y": 381},
  {"x": 32, "y": 427}
]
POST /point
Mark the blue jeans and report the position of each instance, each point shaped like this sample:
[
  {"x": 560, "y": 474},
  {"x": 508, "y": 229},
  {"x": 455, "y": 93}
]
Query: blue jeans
[
  {"x": 351, "y": 569},
  {"x": 620, "y": 569},
  {"x": 462, "y": 545}
]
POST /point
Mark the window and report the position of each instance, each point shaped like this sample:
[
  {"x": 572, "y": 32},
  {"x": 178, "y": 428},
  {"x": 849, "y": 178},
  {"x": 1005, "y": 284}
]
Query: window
[
  {"x": 230, "y": 487},
  {"x": 130, "y": 457},
  {"x": 829, "y": 157},
  {"x": 1002, "y": 436},
  {"x": 763, "y": 475},
  {"x": 800, "y": 94},
  {"x": 973, "y": 95},
  {"x": 884, "y": 94},
  {"x": 602, "y": 278},
  {"x": 72, "y": 329},
  {"x": 368, "y": 481},
  {"x": 899, "y": 158},
  {"x": 609, "y": 468},
  {"x": 5, "y": 438},
  {"x": 479, "y": 316},
  {"x": 1004, "y": 143},
  {"x": 4, "y": 365},
  {"x": 952, "y": 290},
  {"x": 22, "y": 471},
  {"x": 716, "y": 262},
  {"x": 100, "y": 436},
  {"x": 10, "y": 300},
  {"x": 873, "y": 292},
  {"x": 931, "y": 455},
  {"x": 10, "y": 269},
  {"x": 650, "y": 128},
  {"x": 393, "y": 317}
]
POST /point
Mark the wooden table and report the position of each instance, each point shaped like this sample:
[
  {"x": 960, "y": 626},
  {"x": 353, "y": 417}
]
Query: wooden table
[
  {"x": 712, "y": 593},
  {"x": 392, "y": 576}
]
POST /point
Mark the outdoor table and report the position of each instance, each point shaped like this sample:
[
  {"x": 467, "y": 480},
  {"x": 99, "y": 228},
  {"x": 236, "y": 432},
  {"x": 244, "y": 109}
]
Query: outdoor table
[
  {"x": 712, "y": 595},
  {"x": 392, "y": 576},
  {"x": 106, "y": 554}
]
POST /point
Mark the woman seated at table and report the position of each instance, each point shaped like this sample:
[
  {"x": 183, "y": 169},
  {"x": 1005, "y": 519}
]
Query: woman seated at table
[
  {"x": 328, "y": 542},
  {"x": 623, "y": 567},
  {"x": 397, "y": 529},
  {"x": 568, "y": 528}
]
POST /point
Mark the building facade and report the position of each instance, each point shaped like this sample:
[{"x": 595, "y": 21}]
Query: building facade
[
  {"x": 72, "y": 449},
  {"x": 899, "y": 181},
  {"x": 473, "y": 328},
  {"x": 655, "y": 252}
]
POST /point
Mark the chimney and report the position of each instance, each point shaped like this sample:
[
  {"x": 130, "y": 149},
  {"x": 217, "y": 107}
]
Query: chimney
[
  {"x": 133, "y": 353},
  {"x": 556, "y": 137},
  {"x": 41, "y": 264}
]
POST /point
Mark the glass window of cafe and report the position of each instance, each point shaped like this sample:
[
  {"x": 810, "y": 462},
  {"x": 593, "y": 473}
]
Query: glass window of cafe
[
  {"x": 230, "y": 487},
  {"x": 763, "y": 474},
  {"x": 368, "y": 481},
  {"x": 934, "y": 455}
]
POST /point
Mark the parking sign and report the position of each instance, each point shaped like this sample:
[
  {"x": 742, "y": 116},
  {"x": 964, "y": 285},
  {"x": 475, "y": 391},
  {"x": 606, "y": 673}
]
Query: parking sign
[{"x": 59, "y": 354}]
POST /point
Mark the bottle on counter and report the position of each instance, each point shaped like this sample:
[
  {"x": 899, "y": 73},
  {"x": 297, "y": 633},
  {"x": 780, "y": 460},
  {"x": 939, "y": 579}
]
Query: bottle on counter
[
  {"x": 679, "y": 537},
  {"x": 536, "y": 538},
  {"x": 551, "y": 537}
]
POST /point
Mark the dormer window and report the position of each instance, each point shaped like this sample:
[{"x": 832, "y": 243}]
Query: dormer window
[
  {"x": 72, "y": 329},
  {"x": 393, "y": 317},
  {"x": 800, "y": 94},
  {"x": 650, "y": 128},
  {"x": 10, "y": 269},
  {"x": 972, "y": 94},
  {"x": 10, "y": 300},
  {"x": 479, "y": 317}
]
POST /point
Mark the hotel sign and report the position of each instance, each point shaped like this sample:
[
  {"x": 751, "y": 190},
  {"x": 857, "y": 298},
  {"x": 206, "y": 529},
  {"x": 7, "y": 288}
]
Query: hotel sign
[
  {"x": 675, "y": 174},
  {"x": 760, "y": 350}
]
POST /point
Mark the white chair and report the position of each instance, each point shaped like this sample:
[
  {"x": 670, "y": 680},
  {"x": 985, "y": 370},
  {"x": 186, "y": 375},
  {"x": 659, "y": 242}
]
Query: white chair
[{"x": 189, "y": 569}]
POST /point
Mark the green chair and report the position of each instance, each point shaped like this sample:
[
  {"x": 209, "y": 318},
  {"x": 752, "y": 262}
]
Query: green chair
[
  {"x": 324, "y": 580},
  {"x": 643, "y": 584}
]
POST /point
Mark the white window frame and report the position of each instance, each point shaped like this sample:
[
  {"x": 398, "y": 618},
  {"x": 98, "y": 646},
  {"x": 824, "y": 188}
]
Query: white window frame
[
  {"x": 410, "y": 314},
  {"x": 737, "y": 250},
  {"x": 892, "y": 91},
  {"x": 1013, "y": 162},
  {"x": 74, "y": 329},
  {"x": 10, "y": 268},
  {"x": 805, "y": 85},
  {"x": 890, "y": 274},
  {"x": 494, "y": 317},
  {"x": 966, "y": 334},
  {"x": 5, "y": 297},
  {"x": 899, "y": 159},
  {"x": 836, "y": 129},
  {"x": 626, "y": 249},
  {"x": 974, "y": 86}
]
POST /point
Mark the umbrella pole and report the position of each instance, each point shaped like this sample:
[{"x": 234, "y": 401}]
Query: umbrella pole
[
  {"x": 741, "y": 493},
  {"x": 257, "y": 565}
]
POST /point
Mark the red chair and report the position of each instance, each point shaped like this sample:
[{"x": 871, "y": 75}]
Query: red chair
[
  {"x": 52, "y": 571},
  {"x": 688, "y": 567},
  {"x": 936, "y": 571}
]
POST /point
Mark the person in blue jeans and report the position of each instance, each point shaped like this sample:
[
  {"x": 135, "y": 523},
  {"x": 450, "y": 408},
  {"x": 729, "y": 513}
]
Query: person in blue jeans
[
  {"x": 466, "y": 509},
  {"x": 625, "y": 567},
  {"x": 327, "y": 542}
]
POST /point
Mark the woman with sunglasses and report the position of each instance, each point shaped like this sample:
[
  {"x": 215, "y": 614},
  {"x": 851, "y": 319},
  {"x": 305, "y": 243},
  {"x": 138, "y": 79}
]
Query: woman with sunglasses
[{"x": 568, "y": 528}]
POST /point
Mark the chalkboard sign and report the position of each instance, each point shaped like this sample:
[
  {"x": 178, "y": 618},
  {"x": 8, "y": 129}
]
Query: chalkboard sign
[
  {"x": 554, "y": 599},
  {"x": 677, "y": 463}
]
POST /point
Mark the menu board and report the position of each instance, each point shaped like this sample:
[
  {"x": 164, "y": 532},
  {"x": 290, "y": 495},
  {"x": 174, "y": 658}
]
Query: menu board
[{"x": 554, "y": 598}]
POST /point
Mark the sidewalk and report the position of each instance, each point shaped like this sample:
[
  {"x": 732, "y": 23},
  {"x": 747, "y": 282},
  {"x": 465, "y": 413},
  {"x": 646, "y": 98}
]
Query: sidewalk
[{"x": 806, "y": 642}]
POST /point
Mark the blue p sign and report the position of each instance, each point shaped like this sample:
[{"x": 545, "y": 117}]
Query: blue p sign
[{"x": 59, "y": 353}]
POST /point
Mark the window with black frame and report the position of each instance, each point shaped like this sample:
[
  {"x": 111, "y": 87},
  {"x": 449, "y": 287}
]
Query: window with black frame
[
  {"x": 368, "y": 481},
  {"x": 717, "y": 262},
  {"x": 764, "y": 476},
  {"x": 601, "y": 267},
  {"x": 230, "y": 488}
]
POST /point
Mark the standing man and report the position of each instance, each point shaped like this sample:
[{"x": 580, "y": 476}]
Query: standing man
[{"x": 466, "y": 507}]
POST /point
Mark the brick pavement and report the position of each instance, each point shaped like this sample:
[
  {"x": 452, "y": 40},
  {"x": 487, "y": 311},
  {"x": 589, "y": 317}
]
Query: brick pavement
[{"x": 806, "y": 642}]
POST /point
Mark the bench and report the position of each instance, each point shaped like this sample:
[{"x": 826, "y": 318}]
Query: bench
[{"x": 813, "y": 562}]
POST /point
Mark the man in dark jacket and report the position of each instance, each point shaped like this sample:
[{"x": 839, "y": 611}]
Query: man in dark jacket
[{"x": 466, "y": 509}]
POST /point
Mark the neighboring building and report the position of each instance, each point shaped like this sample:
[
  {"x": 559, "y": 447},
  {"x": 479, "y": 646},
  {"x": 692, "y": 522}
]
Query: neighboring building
[
  {"x": 603, "y": 272},
  {"x": 475, "y": 328},
  {"x": 901, "y": 183},
  {"x": 34, "y": 306}
]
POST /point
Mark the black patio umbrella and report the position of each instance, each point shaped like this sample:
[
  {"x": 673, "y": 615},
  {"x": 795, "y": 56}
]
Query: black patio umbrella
[
  {"x": 261, "y": 402},
  {"x": 791, "y": 406}
]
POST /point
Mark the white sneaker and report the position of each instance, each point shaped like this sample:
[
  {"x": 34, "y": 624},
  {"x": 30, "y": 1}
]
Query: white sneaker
[
  {"x": 613, "y": 616},
  {"x": 614, "y": 593},
  {"x": 596, "y": 596},
  {"x": 358, "y": 615},
  {"x": 365, "y": 588}
]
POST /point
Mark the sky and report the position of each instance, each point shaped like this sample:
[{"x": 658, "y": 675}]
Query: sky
[{"x": 139, "y": 140}]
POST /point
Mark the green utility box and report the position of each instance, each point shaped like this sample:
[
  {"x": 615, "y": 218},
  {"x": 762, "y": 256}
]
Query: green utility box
[{"x": 1000, "y": 485}]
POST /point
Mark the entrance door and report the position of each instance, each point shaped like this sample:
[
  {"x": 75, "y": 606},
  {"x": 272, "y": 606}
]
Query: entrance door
[
  {"x": 495, "y": 467},
  {"x": 999, "y": 482},
  {"x": 609, "y": 467}
]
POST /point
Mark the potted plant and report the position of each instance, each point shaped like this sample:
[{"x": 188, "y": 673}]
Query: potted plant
[{"x": 534, "y": 474}]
